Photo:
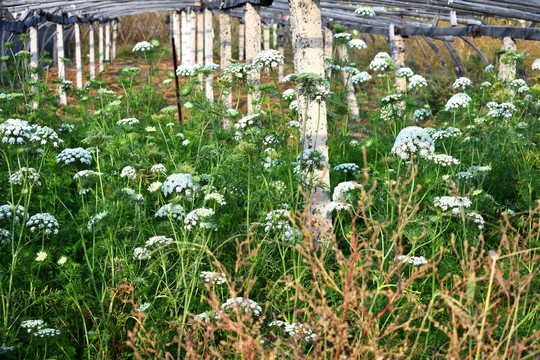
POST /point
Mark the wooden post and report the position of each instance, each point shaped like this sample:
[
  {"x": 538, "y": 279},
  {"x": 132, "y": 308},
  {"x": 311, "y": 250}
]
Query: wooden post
[
  {"x": 241, "y": 41},
  {"x": 92, "y": 50},
  {"x": 200, "y": 41},
  {"x": 34, "y": 58},
  {"x": 281, "y": 44},
  {"x": 345, "y": 77},
  {"x": 397, "y": 51},
  {"x": 114, "y": 39},
  {"x": 185, "y": 38},
  {"x": 101, "y": 47},
  {"x": 308, "y": 52},
  {"x": 61, "y": 64},
  {"x": 266, "y": 41},
  {"x": 253, "y": 48},
  {"x": 193, "y": 37},
  {"x": 209, "y": 51},
  {"x": 78, "y": 55},
  {"x": 328, "y": 40},
  {"x": 507, "y": 72},
  {"x": 108, "y": 41},
  {"x": 225, "y": 55}
]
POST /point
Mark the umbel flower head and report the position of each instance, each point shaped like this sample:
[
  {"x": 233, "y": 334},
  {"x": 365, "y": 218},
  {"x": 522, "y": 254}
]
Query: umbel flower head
[
  {"x": 143, "y": 46},
  {"x": 456, "y": 101},
  {"x": 412, "y": 140},
  {"x": 43, "y": 222},
  {"x": 68, "y": 156},
  {"x": 15, "y": 132},
  {"x": 360, "y": 78},
  {"x": 268, "y": 59},
  {"x": 382, "y": 62},
  {"x": 357, "y": 44}
]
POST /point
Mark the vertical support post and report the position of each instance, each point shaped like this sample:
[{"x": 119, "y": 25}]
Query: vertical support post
[
  {"x": 253, "y": 48},
  {"x": 209, "y": 51},
  {"x": 101, "y": 67},
  {"x": 345, "y": 77},
  {"x": 193, "y": 36},
  {"x": 34, "y": 58},
  {"x": 61, "y": 64},
  {"x": 507, "y": 72},
  {"x": 108, "y": 41},
  {"x": 241, "y": 41},
  {"x": 453, "y": 18},
  {"x": 328, "y": 41},
  {"x": 281, "y": 43},
  {"x": 114, "y": 39},
  {"x": 78, "y": 55},
  {"x": 92, "y": 50},
  {"x": 308, "y": 52},
  {"x": 185, "y": 38},
  {"x": 274, "y": 44},
  {"x": 200, "y": 41},
  {"x": 266, "y": 41},
  {"x": 397, "y": 51},
  {"x": 175, "y": 17},
  {"x": 226, "y": 55}
]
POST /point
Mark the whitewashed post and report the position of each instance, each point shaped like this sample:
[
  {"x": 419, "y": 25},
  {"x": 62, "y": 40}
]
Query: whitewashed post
[
  {"x": 345, "y": 76},
  {"x": 114, "y": 39},
  {"x": 328, "y": 41},
  {"x": 200, "y": 41},
  {"x": 185, "y": 38},
  {"x": 266, "y": 32},
  {"x": 225, "y": 56},
  {"x": 176, "y": 34},
  {"x": 108, "y": 41},
  {"x": 101, "y": 67},
  {"x": 193, "y": 36},
  {"x": 78, "y": 55},
  {"x": 507, "y": 72},
  {"x": 92, "y": 50},
  {"x": 274, "y": 44},
  {"x": 281, "y": 43},
  {"x": 308, "y": 52},
  {"x": 241, "y": 41},
  {"x": 209, "y": 51},
  {"x": 61, "y": 64},
  {"x": 397, "y": 51},
  {"x": 253, "y": 48},
  {"x": 34, "y": 58}
]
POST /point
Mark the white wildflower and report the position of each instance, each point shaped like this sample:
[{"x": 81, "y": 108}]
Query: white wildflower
[
  {"x": 68, "y": 156},
  {"x": 178, "y": 183},
  {"x": 213, "y": 277},
  {"x": 413, "y": 140},
  {"x": 199, "y": 218},
  {"x": 43, "y": 221},
  {"x": 462, "y": 83}
]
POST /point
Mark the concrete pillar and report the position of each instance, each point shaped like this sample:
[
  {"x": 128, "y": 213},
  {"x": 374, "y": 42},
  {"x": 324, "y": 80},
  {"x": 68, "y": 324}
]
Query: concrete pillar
[
  {"x": 78, "y": 55},
  {"x": 345, "y": 77},
  {"x": 61, "y": 64},
  {"x": 101, "y": 67},
  {"x": 193, "y": 36},
  {"x": 185, "y": 38},
  {"x": 328, "y": 40},
  {"x": 241, "y": 41},
  {"x": 92, "y": 51},
  {"x": 34, "y": 58},
  {"x": 108, "y": 41},
  {"x": 114, "y": 39},
  {"x": 266, "y": 33},
  {"x": 274, "y": 44},
  {"x": 225, "y": 55},
  {"x": 253, "y": 48},
  {"x": 397, "y": 51},
  {"x": 308, "y": 52},
  {"x": 507, "y": 72},
  {"x": 281, "y": 44},
  {"x": 200, "y": 41},
  {"x": 209, "y": 51},
  {"x": 175, "y": 17}
]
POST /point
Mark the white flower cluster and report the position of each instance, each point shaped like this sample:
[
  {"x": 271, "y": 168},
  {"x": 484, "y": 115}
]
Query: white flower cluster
[
  {"x": 485, "y": 85},
  {"x": 404, "y": 72},
  {"x": 128, "y": 121},
  {"x": 176, "y": 211},
  {"x": 293, "y": 106},
  {"x": 130, "y": 172},
  {"x": 246, "y": 121},
  {"x": 95, "y": 220},
  {"x": 45, "y": 222},
  {"x": 412, "y": 140},
  {"x": 536, "y": 64},
  {"x": 65, "y": 127},
  {"x": 270, "y": 140},
  {"x": 520, "y": 85},
  {"x": 462, "y": 83},
  {"x": 5, "y": 237},
  {"x": 133, "y": 196},
  {"x": 289, "y": 94},
  {"x": 392, "y": 98},
  {"x": 294, "y": 124},
  {"x": 217, "y": 197},
  {"x": 246, "y": 305},
  {"x": 365, "y": 11},
  {"x": 481, "y": 170},
  {"x": 477, "y": 218},
  {"x": 268, "y": 59},
  {"x": 309, "y": 159},
  {"x": 188, "y": 70},
  {"x": 455, "y": 204},
  {"x": 199, "y": 218},
  {"x": 344, "y": 36},
  {"x": 205, "y": 316},
  {"x": 213, "y": 277},
  {"x": 382, "y": 62},
  {"x": 106, "y": 92},
  {"x": 37, "y": 328},
  {"x": 23, "y": 175},
  {"x": 45, "y": 135},
  {"x": 141, "y": 253},
  {"x": 210, "y": 67},
  {"x": 68, "y": 156},
  {"x": 159, "y": 240},
  {"x": 443, "y": 159},
  {"x": 277, "y": 221},
  {"x": 421, "y": 114},
  {"x": 158, "y": 169},
  {"x": 143, "y": 46},
  {"x": 348, "y": 168},
  {"x": 341, "y": 190},
  {"x": 357, "y": 44},
  {"x": 66, "y": 85},
  {"x": 241, "y": 71},
  {"x": 448, "y": 132},
  {"x": 178, "y": 183},
  {"x": 500, "y": 111},
  {"x": 415, "y": 260},
  {"x": 335, "y": 206},
  {"x": 143, "y": 307},
  {"x": 417, "y": 81},
  {"x": 8, "y": 212},
  {"x": 456, "y": 101},
  {"x": 85, "y": 174},
  {"x": 130, "y": 71},
  {"x": 295, "y": 329},
  {"x": 360, "y": 78},
  {"x": 155, "y": 186},
  {"x": 15, "y": 132}
]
